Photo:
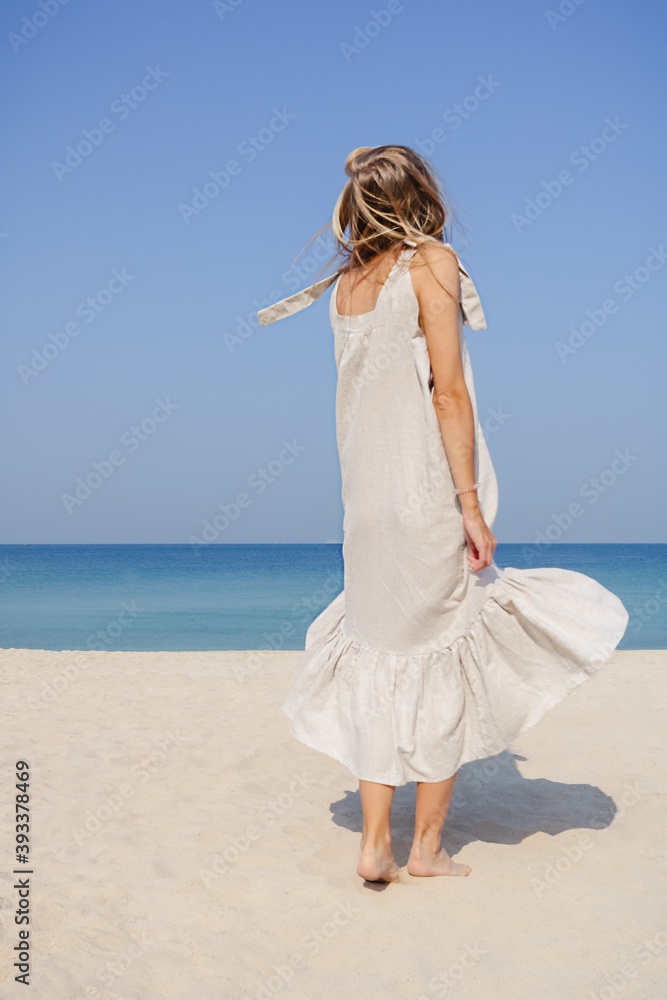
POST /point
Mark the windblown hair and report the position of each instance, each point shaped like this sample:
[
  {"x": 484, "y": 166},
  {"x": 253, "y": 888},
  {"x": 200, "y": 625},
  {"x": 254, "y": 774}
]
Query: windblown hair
[{"x": 392, "y": 194}]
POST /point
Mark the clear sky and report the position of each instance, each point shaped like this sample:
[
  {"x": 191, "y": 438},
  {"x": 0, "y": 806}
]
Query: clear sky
[{"x": 130, "y": 298}]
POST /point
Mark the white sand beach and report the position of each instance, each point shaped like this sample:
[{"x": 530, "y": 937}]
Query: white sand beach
[{"x": 184, "y": 846}]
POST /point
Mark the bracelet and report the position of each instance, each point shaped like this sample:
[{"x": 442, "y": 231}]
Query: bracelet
[{"x": 468, "y": 488}]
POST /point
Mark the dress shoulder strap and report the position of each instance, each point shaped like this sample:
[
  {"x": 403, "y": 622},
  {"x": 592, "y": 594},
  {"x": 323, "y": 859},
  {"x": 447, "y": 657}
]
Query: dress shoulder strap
[
  {"x": 296, "y": 302},
  {"x": 471, "y": 306}
]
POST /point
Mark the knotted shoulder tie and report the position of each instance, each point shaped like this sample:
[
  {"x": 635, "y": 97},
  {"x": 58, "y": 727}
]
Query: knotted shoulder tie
[{"x": 471, "y": 306}]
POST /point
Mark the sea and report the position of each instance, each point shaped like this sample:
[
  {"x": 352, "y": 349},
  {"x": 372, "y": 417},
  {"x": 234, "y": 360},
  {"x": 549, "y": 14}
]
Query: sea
[{"x": 238, "y": 597}]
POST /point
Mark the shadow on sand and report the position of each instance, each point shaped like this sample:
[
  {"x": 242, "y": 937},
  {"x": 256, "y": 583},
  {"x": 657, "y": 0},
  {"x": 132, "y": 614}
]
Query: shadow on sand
[{"x": 492, "y": 802}]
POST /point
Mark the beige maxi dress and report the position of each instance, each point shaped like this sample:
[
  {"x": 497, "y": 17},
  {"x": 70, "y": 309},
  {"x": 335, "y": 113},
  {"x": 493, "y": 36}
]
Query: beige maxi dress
[{"x": 420, "y": 665}]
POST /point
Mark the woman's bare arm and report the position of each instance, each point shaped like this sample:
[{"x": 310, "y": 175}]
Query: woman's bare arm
[{"x": 438, "y": 318}]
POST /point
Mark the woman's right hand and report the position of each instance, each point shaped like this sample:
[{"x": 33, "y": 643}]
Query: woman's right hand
[{"x": 481, "y": 540}]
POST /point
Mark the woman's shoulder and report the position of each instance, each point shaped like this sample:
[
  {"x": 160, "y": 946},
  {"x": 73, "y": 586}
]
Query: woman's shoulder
[
  {"x": 437, "y": 255},
  {"x": 435, "y": 264},
  {"x": 444, "y": 268}
]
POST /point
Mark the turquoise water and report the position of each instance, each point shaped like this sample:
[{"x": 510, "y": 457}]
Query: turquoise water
[{"x": 171, "y": 597}]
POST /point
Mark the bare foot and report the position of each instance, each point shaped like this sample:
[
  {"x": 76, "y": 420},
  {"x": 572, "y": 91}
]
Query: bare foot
[
  {"x": 425, "y": 863},
  {"x": 378, "y": 865}
]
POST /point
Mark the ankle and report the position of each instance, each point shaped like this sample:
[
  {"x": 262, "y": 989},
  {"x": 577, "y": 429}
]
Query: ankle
[
  {"x": 376, "y": 840},
  {"x": 426, "y": 842}
]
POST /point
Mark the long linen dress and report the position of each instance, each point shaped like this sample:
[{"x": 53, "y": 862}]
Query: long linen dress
[{"x": 420, "y": 665}]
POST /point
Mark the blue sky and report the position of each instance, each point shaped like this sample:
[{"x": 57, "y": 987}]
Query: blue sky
[{"x": 131, "y": 348}]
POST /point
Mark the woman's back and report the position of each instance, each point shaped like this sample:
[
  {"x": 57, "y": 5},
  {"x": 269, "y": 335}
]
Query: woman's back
[
  {"x": 359, "y": 288},
  {"x": 401, "y": 523}
]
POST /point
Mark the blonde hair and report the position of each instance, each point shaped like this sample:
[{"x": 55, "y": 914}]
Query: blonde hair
[{"x": 392, "y": 194}]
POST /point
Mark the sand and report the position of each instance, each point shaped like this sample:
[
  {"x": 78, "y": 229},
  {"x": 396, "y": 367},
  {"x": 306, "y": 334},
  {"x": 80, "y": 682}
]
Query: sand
[{"x": 185, "y": 845}]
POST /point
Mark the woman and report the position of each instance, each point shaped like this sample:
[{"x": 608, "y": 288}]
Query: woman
[{"x": 431, "y": 656}]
